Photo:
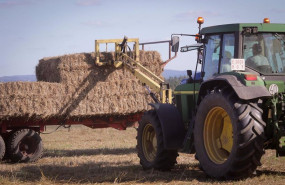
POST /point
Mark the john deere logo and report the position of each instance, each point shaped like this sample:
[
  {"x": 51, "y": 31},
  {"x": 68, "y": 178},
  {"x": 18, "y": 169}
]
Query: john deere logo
[{"x": 273, "y": 89}]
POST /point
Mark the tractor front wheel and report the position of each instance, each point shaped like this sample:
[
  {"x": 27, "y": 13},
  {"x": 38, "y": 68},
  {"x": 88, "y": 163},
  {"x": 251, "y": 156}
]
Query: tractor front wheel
[
  {"x": 228, "y": 135},
  {"x": 150, "y": 145}
]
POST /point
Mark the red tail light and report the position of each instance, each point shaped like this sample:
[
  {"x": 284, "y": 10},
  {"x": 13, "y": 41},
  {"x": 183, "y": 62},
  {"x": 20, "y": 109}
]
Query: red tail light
[{"x": 250, "y": 77}]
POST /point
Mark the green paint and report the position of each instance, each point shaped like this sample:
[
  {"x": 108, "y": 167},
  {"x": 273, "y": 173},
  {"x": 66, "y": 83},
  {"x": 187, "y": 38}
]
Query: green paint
[
  {"x": 185, "y": 100},
  {"x": 262, "y": 27},
  {"x": 280, "y": 84}
]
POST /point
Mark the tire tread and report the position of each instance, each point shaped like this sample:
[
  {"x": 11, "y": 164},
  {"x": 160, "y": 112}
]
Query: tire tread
[
  {"x": 165, "y": 159},
  {"x": 250, "y": 135}
]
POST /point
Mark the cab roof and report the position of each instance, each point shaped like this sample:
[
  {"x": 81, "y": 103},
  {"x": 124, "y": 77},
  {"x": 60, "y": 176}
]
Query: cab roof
[{"x": 262, "y": 27}]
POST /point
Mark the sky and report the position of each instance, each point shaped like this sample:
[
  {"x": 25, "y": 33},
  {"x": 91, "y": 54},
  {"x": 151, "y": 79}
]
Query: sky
[{"x": 34, "y": 29}]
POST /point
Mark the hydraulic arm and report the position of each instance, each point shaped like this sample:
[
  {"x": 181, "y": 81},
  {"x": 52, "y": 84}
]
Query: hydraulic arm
[{"x": 129, "y": 59}]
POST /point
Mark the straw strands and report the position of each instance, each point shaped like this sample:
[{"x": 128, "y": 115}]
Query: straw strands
[{"x": 72, "y": 86}]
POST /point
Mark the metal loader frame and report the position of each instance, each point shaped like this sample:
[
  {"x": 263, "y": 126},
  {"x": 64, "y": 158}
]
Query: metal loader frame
[{"x": 131, "y": 63}]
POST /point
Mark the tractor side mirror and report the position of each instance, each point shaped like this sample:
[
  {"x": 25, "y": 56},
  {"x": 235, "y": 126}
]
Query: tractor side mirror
[
  {"x": 189, "y": 73},
  {"x": 174, "y": 44}
]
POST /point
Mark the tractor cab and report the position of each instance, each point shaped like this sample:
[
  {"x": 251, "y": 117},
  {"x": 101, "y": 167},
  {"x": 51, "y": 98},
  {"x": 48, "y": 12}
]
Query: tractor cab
[
  {"x": 247, "y": 54},
  {"x": 260, "y": 46}
]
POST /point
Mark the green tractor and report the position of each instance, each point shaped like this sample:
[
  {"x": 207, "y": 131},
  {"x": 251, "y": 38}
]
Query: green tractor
[{"x": 229, "y": 112}]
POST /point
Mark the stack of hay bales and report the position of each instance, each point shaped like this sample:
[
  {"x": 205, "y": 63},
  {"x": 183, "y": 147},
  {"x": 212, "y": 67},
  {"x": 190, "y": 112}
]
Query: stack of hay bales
[
  {"x": 72, "y": 86},
  {"x": 30, "y": 100}
]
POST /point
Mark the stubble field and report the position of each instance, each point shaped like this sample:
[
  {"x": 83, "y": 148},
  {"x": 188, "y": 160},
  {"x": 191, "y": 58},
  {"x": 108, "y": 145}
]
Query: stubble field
[{"x": 85, "y": 156}]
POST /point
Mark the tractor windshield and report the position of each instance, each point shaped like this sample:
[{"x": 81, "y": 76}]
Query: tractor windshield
[{"x": 265, "y": 52}]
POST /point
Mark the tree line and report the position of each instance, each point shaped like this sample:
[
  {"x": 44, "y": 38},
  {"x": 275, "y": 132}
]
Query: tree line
[{"x": 174, "y": 81}]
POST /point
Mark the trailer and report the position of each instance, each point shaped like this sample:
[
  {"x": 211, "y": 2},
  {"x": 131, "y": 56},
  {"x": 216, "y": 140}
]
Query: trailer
[{"x": 20, "y": 139}]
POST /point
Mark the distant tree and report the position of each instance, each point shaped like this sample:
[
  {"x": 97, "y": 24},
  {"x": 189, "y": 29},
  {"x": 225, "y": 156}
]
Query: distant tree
[{"x": 174, "y": 81}]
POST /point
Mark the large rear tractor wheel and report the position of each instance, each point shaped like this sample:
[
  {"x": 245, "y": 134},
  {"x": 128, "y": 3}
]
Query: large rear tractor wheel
[
  {"x": 228, "y": 135},
  {"x": 25, "y": 145},
  {"x": 150, "y": 144},
  {"x": 2, "y": 148}
]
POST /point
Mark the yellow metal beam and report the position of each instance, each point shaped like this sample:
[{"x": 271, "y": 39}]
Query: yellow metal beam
[
  {"x": 141, "y": 67},
  {"x": 143, "y": 74},
  {"x": 148, "y": 81},
  {"x": 103, "y": 41},
  {"x": 117, "y": 48},
  {"x": 186, "y": 92},
  {"x": 169, "y": 96}
]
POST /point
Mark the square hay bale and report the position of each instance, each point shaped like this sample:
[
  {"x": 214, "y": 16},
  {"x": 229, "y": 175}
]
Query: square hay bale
[
  {"x": 33, "y": 100},
  {"x": 76, "y": 68},
  {"x": 72, "y": 86},
  {"x": 44, "y": 100}
]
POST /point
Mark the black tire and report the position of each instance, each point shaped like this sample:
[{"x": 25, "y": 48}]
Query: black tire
[
  {"x": 151, "y": 156},
  {"x": 6, "y": 137},
  {"x": 2, "y": 148},
  {"x": 24, "y": 145},
  {"x": 242, "y": 159}
]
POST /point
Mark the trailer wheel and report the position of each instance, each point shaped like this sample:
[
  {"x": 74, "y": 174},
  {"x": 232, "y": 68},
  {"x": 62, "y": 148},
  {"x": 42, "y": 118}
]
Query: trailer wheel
[
  {"x": 25, "y": 145},
  {"x": 150, "y": 144},
  {"x": 228, "y": 135},
  {"x": 2, "y": 148}
]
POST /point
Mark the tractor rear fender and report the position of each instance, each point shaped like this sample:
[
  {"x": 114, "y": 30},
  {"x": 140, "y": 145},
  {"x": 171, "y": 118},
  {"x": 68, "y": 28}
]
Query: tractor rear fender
[
  {"x": 242, "y": 91},
  {"x": 172, "y": 126}
]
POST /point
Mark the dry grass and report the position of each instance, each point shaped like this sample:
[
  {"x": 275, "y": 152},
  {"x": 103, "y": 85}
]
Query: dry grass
[
  {"x": 73, "y": 69},
  {"x": 80, "y": 89},
  {"x": 86, "y": 156}
]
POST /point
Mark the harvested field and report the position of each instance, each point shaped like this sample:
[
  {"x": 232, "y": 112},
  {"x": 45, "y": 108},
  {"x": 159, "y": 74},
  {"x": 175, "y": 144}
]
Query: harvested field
[
  {"x": 86, "y": 156},
  {"x": 71, "y": 86}
]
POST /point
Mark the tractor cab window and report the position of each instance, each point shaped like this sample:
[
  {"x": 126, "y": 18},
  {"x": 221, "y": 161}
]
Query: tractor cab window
[
  {"x": 265, "y": 52},
  {"x": 212, "y": 56},
  {"x": 228, "y": 49}
]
